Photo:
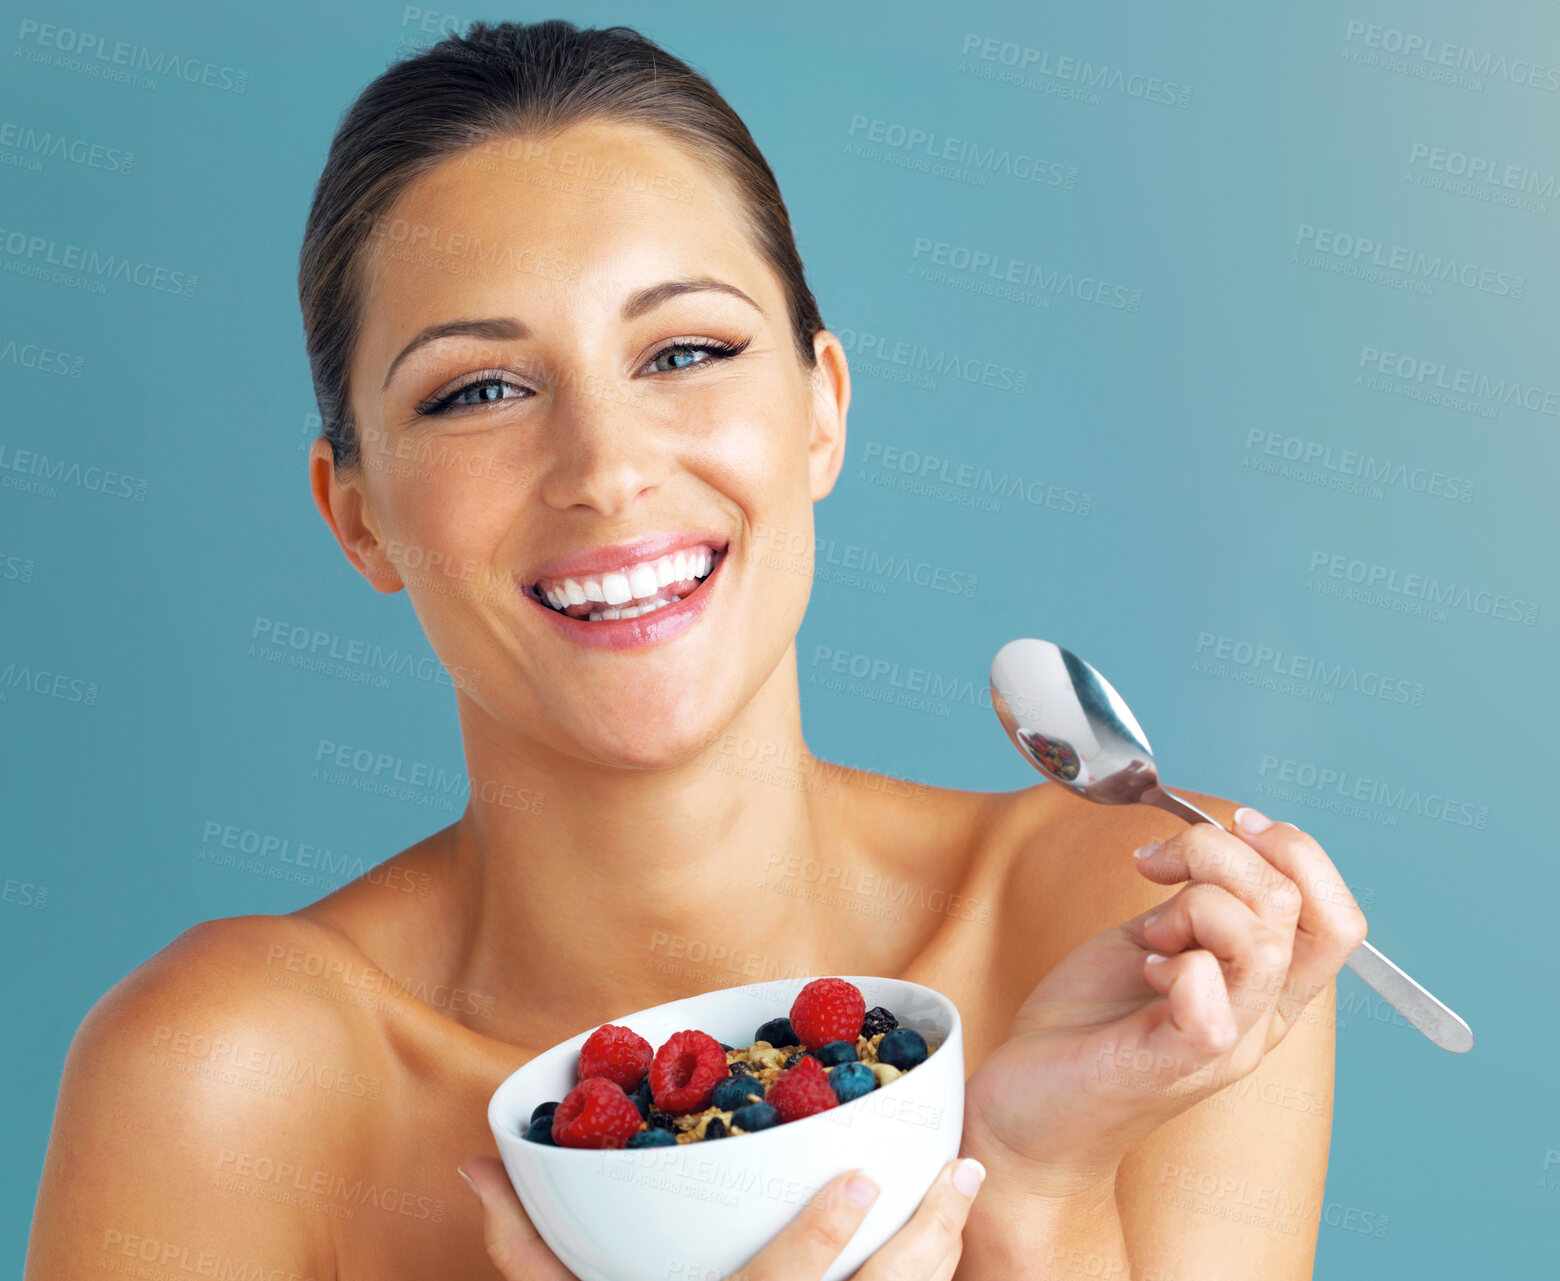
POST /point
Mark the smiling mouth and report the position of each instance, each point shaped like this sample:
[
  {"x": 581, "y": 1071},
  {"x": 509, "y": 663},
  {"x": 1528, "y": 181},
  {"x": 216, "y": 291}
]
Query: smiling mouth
[{"x": 632, "y": 591}]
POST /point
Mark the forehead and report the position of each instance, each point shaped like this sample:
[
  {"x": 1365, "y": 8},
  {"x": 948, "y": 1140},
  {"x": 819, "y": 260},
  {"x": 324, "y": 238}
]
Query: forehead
[{"x": 522, "y": 225}]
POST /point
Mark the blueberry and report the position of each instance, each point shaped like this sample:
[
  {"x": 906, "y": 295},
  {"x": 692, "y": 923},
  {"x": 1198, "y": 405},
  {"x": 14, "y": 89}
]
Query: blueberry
[
  {"x": 540, "y": 1130},
  {"x": 878, "y": 1020},
  {"x": 724, "y": 1046},
  {"x": 755, "y": 1116},
  {"x": 835, "y": 1053},
  {"x": 740, "y": 1067},
  {"x": 714, "y": 1128},
  {"x": 851, "y": 1080},
  {"x": 642, "y": 1102},
  {"x": 792, "y": 1060},
  {"x": 903, "y": 1048},
  {"x": 777, "y": 1032},
  {"x": 543, "y": 1109},
  {"x": 661, "y": 1121},
  {"x": 651, "y": 1139},
  {"x": 643, "y": 1087},
  {"x": 735, "y": 1092}
]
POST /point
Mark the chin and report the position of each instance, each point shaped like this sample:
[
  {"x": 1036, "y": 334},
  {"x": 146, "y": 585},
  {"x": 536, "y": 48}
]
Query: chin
[
  {"x": 641, "y": 735},
  {"x": 662, "y": 749}
]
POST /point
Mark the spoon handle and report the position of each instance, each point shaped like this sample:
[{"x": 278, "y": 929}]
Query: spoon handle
[
  {"x": 1398, "y": 989},
  {"x": 1411, "y": 1000}
]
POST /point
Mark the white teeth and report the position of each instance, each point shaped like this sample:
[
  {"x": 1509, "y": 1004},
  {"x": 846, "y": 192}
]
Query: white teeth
[
  {"x": 642, "y": 581},
  {"x": 616, "y": 588},
  {"x": 641, "y": 584},
  {"x": 633, "y": 611}
]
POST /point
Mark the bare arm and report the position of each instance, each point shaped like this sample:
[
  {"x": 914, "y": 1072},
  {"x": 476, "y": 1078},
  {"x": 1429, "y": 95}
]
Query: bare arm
[
  {"x": 161, "y": 1114},
  {"x": 1228, "y": 1188},
  {"x": 1232, "y": 1188}
]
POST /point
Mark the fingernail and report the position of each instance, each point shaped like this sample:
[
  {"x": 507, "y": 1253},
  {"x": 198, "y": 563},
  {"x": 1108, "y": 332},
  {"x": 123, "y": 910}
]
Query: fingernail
[
  {"x": 470, "y": 1182},
  {"x": 1143, "y": 851},
  {"x": 1249, "y": 820},
  {"x": 1154, "y": 958},
  {"x": 861, "y": 1191},
  {"x": 968, "y": 1175},
  {"x": 1149, "y": 920}
]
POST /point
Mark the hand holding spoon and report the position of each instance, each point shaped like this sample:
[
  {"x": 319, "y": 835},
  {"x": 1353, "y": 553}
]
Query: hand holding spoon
[{"x": 1069, "y": 723}]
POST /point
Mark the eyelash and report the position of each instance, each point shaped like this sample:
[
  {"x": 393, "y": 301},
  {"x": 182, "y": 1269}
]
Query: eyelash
[{"x": 718, "y": 349}]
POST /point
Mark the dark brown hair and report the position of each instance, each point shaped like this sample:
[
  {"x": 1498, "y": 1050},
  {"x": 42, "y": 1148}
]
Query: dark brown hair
[{"x": 495, "y": 82}]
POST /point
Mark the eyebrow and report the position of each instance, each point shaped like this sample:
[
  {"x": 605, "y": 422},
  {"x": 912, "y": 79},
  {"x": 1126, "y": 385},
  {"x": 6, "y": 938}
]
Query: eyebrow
[{"x": 507, "y": 329}]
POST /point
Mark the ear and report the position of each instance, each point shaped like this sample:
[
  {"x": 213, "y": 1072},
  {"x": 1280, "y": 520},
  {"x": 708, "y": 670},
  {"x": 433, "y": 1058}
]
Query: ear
[
  {"x": 830, "y": 400},
  {"x": 342, "y": 504}
]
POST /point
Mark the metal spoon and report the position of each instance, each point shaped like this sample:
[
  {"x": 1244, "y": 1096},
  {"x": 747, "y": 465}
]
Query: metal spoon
[{"x": 1067, "y": 721}]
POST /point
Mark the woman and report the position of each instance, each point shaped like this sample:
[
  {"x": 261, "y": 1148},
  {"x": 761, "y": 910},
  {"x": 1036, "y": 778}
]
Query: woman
[{"x": 578, "y": 402}]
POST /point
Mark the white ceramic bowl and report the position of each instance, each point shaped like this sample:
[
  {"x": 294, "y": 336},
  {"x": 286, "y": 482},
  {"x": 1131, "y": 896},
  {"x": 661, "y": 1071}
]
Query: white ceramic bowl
[{"x": 699, "y": 1211}]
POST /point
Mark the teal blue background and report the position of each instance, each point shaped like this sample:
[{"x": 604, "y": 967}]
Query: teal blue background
[{"x": 207, "y": 399}]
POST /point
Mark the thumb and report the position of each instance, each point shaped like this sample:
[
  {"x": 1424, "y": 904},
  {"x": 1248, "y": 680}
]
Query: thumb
[{"x": 512, "y": 1243}]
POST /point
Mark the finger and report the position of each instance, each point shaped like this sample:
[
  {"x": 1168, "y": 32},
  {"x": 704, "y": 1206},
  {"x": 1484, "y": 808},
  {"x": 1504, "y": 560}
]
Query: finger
[
  {"x": 804, "y": 1248},
  {"x": 929, "y": 1246},
  {"x": 1253, "y": 954},
  {"x": 1196, "y": 1023},
  {"x": 1207, "y": 853},
  {"x": 512, "y": 1243},
  {"x": 1329, "y": 924}
]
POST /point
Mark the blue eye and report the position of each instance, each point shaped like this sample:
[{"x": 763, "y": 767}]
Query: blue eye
[
  {"x": 481, "y": 391},
  {"x": 681, "y": 354},
  {"x": 490, "y": 389},
  {"x": 485, "y": 389}
]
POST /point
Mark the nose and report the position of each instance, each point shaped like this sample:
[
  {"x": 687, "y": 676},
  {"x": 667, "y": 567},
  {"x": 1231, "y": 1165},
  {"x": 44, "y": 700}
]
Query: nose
[{"x": 605, "y": 450}]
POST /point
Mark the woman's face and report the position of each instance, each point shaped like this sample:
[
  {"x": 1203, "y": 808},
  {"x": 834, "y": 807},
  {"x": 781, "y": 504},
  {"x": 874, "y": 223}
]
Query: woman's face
[{"x": 624, "y": 385}]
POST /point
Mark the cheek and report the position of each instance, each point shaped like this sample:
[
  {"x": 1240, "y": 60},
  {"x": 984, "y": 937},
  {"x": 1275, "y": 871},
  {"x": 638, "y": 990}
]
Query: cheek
[
  {"x": 445, "y": 511},
  {"x": 755, "y": 452},
  {"x": 769, "y": 482}
]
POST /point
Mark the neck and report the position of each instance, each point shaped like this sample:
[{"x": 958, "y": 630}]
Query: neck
[{"x": 629, "y": 887}]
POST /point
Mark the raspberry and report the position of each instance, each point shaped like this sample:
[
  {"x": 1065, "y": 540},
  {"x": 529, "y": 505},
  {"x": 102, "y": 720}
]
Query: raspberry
[
  {"x": 685, "y": 1070},
  {"x": 828, "y": 1010},
  {"x": 595, "y": 1114},
  {"x": 801, "y": 1091},
  {"x": 617, "y": 1053}
]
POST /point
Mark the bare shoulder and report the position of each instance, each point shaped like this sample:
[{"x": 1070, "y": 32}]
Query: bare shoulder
[
  {"x": 1047, "y": 856},
  {"x": 1067, "y": 862},
  {"x": 227, "y": 977},
  {"x": 186, "y": 1066}
]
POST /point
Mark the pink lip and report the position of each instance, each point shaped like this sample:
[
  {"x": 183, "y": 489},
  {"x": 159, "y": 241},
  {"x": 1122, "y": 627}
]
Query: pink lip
[
  {"x": 620, "y": 556},
  {"x": 647, "y": 629}
]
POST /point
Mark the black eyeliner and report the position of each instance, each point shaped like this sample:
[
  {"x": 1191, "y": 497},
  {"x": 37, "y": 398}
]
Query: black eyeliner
[{"x": 722, "y": 349}]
